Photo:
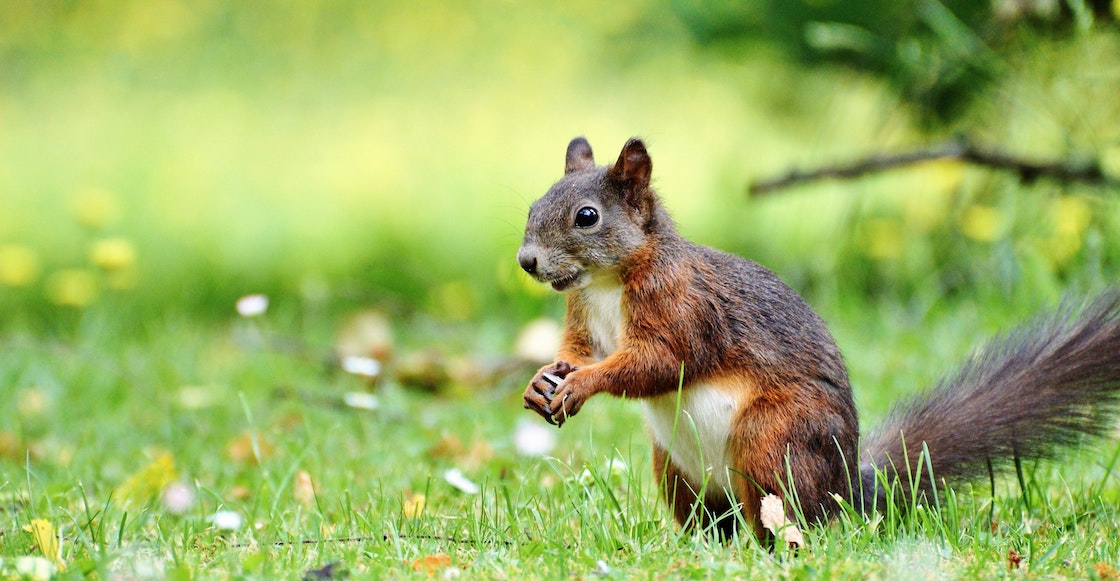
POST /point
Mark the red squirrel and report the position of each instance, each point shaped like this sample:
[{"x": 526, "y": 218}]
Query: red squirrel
[{"x": 743, "y": 388}]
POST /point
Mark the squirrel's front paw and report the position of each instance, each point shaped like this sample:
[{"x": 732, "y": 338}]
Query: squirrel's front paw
[
  {"x": 538, "y": 396},
  {"x": 567, "y": 399}
]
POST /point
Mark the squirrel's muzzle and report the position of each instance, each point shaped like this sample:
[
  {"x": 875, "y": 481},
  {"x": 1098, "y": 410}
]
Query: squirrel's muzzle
[{"x": 528, "y": 261}]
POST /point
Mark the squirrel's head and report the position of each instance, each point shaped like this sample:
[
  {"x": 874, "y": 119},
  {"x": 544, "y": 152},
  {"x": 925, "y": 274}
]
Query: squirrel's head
[{"x": 590, "y": 220}]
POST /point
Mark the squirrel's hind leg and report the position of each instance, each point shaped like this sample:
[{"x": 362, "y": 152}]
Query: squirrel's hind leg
[{"x": 680, "y": 494}]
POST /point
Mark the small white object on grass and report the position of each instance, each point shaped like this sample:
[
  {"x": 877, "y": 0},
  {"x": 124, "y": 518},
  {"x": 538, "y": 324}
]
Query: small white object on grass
[
  {"x": 252, "y": 305},
  {"x": 34, "y": 567},
  {"x": 226, "y": 520},
  {"x": 361, "y": 400},
  {"x": 455, "y": 478},
  {"x": 364, "y": 366},
  {"x": 178, "y": 497},
  {"x": 533, "y": 438}
]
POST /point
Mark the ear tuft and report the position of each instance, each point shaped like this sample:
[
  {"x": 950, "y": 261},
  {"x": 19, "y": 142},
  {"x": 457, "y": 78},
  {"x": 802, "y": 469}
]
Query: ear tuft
[
  {"x": 579, "y": 156},
  {"x": 632, "y": 170}
]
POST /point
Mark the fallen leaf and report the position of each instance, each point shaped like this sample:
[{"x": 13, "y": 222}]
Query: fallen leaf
[
  {"x": 42, "y": 532},
  {"x": 426, "y": 370},
  {"x": 413, "y": 505},
  {"x": 247, "y": 450},
  {"x": 1106, "y": 572},
  {"x": 432, "y": 564},
  {"x": 149, "y": 481},
  {"x": 772, "y": 513},
  {"x": 1013, "y": 559},
  {"x": 239, "y": 492},
  {"x": 450, "y": 447},
  {"x": 303, "y": 488},
  {"x": 367, "y": 334},
  {"x": 11, "y": 447}
]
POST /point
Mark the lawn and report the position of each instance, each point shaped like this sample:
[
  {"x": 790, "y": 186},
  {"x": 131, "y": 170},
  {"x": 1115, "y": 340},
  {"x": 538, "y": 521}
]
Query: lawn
[
  {"x": 260, "y": 309},
  {"x": 232, "y": 449}
]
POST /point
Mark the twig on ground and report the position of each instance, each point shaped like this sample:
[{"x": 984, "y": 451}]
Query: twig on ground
[{"x": 384, "y": 537}]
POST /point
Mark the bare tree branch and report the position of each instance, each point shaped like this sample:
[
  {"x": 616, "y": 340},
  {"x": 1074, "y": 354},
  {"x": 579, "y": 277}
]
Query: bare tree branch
[{"x": 1028, "y": 170}]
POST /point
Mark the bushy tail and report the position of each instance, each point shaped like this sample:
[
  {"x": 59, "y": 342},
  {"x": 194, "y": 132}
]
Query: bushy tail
[{"x": 1027, "y": 395}]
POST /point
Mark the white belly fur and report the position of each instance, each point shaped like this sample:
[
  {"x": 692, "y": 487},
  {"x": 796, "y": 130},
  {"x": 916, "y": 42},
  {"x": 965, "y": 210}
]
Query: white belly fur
[{"x": 699, "y": 446}]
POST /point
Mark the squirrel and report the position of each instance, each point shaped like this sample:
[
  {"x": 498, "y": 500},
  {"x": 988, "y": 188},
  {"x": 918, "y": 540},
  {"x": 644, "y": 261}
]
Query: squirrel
[{"x": 745, "y": 391}]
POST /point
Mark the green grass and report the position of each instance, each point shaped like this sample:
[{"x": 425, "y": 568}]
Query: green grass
[
  {"x": 302, "y": 150},
  {"x": 91, "y": 412}
]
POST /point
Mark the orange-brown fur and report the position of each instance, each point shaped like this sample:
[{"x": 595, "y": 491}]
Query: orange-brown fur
[{"x": 771, "y": 408}]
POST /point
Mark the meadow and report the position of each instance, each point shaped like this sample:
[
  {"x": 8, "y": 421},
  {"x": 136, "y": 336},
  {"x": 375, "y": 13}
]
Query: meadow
[{"x": 260, "y": 313}]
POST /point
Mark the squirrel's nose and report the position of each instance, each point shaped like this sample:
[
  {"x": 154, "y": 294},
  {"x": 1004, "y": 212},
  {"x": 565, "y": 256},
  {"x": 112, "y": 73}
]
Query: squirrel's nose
[{"x": 528, "y": 262}]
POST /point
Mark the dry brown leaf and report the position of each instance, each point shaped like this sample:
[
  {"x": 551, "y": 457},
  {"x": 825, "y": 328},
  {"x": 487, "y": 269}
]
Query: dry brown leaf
[
  {"x": 1106, "y": 572},
  {"x": 772, "y": 513},
  {"x": 241, "y": 449},
  {"x": 239, "y": 492},
  {"x": 11, "y": 447},
  {"x": 303, "y": 488},
  {"x": 426, "y": 370},
  {"x": 450, "y": 447},
  {"x": 1013, "y": 559},
  {"x": 432, "y": 564},
  {"x": 366, "y": 334}
]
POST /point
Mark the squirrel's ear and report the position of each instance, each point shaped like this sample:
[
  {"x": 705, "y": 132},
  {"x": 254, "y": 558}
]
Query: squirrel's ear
[
  {"x": 579, "y": 156},
  {"x": 632, "y": 170}
]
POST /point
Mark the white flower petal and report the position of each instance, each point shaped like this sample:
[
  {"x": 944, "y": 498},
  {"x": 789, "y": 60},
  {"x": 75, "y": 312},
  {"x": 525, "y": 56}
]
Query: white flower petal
[
  {"x": 364, "y": 366},
  {"x": 455, "y": 478},
  {"x": 252, "y": 305},
  {"x": 361, "y": 400},
  {"x": 533, "y": 438},
  {"x": 226, "y": 520}
]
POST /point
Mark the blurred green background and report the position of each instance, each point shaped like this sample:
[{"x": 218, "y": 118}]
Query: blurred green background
[{"x": 164, "y": 155}]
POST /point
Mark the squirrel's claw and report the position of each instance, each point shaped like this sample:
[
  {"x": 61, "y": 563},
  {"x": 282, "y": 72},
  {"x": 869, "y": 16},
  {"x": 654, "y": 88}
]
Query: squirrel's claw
[{"x": 541, "y": 392}]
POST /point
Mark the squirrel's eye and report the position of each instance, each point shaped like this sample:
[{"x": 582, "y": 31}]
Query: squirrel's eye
[{"x": 587, "y": 217}]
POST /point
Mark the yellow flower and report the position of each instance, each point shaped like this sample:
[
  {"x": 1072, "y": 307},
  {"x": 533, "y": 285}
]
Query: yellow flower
[
  {"x": 1071, "y": 215},
  {"x": 73, "y": 287},
  {"x": 19, "y": 266},
  {"x": 882, "y": 238},
  {"x": 983, "y": 223},
  {"x": 149, "y": 481},
  {"x": 113, "y": 253},
  {"x": 413, "y": 504},
  {"x": 94, "y": 207}
]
